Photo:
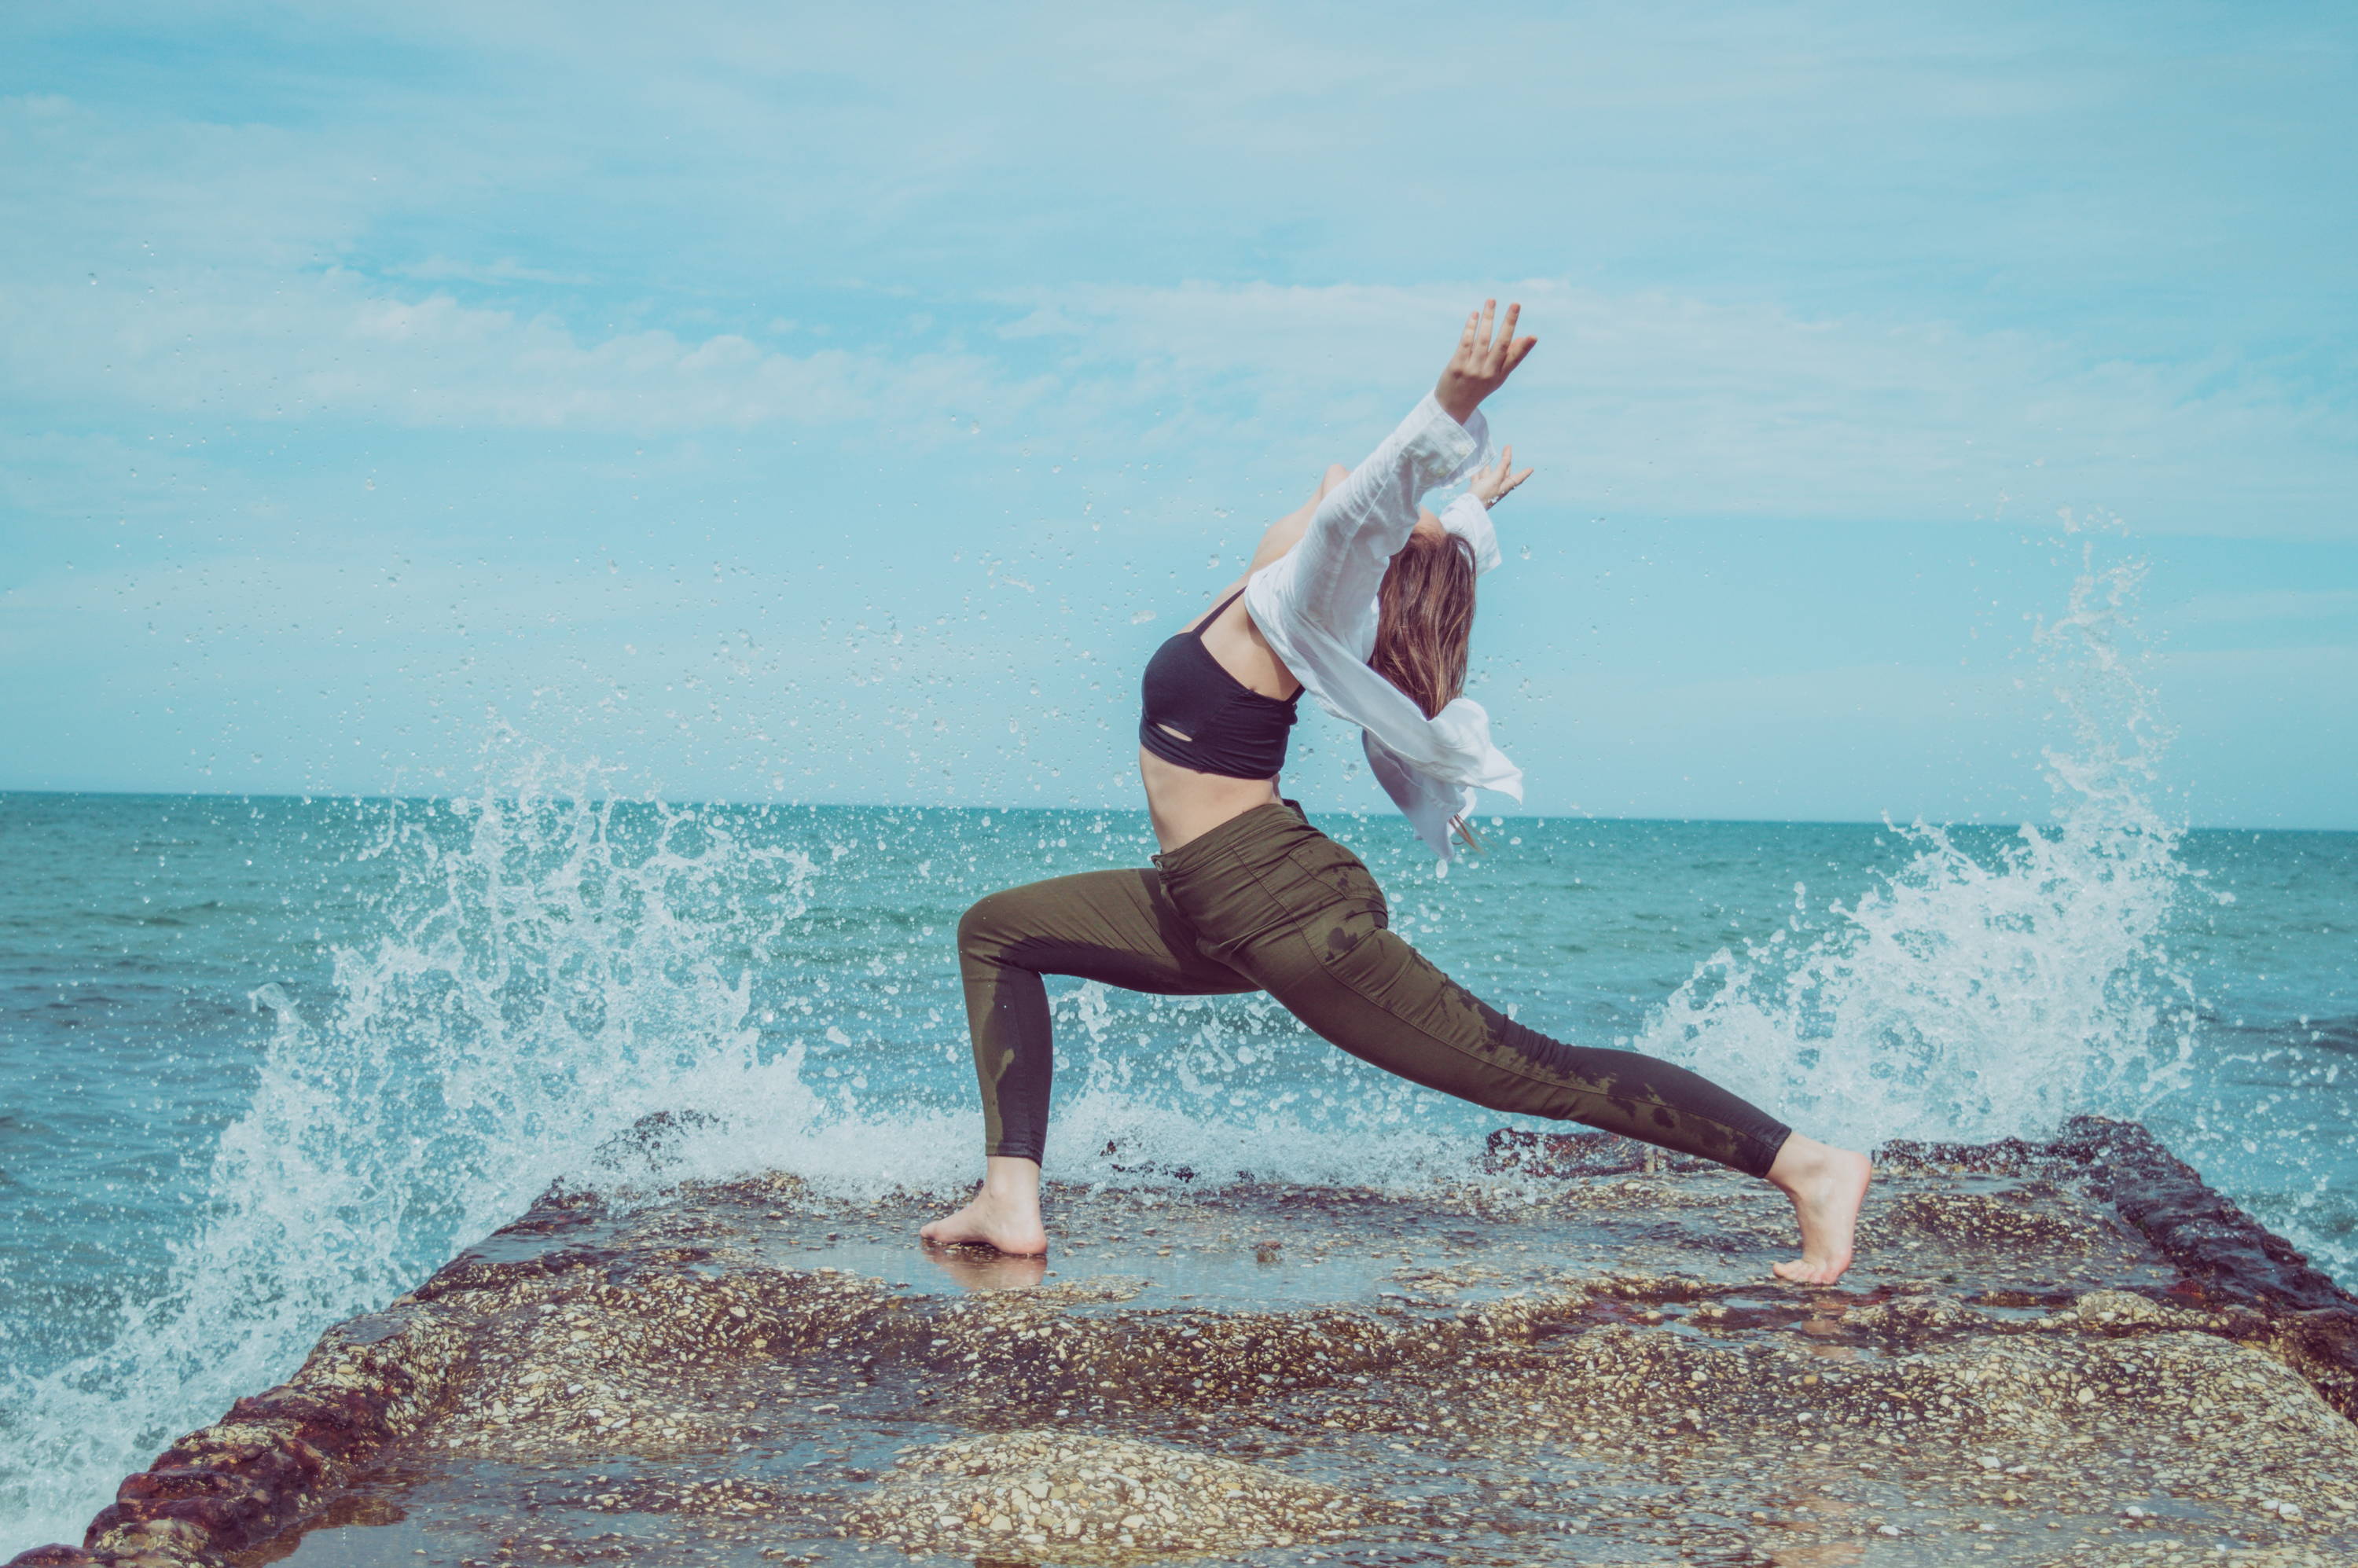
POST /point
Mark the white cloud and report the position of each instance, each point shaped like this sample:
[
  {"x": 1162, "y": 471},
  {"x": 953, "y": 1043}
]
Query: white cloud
[
  {"x": 506, "y": 269},
  {"x": 234, "y": 271},
  {"x": 1682, "y": 406},
  {"x": 340, "y": 345},
  {"x": 1635, "y": 404}
]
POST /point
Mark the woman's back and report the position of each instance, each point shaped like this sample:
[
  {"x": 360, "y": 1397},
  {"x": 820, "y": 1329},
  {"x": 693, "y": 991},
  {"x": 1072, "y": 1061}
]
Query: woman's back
[{"x": 1188, "y": 802}]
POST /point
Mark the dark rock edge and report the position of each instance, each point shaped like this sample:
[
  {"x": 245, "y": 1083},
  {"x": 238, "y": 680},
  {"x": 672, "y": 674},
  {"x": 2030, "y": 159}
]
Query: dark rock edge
[{"x": 278, "y": 1456}]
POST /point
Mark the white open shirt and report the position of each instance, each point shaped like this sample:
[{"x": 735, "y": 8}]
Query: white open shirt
[{"x": 1316, "y": 606}]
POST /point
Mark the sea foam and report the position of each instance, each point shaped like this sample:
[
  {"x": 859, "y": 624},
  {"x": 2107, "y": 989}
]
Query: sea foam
[{"x": 1985, "y": 991}]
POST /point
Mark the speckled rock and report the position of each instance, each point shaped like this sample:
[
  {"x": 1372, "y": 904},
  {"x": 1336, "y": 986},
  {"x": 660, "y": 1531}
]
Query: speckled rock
[{"x": 1068, "y": 1498}]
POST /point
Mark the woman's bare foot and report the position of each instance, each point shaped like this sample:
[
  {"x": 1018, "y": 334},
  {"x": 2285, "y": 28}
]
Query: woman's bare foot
[
  {"x": 1005, "y": 1214},
  {"x": 1826, "y": 1184}
]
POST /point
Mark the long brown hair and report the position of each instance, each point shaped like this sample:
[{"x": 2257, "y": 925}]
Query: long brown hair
[{"x": 1425, "y": 619}]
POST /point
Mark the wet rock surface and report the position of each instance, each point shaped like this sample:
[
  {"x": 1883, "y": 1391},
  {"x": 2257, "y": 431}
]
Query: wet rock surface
[{"x": 2065, "y": 1353}]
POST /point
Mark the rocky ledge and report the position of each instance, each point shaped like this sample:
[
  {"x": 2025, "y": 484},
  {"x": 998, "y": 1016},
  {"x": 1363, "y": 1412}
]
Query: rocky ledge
[{"x": 2061, "y": 1353}]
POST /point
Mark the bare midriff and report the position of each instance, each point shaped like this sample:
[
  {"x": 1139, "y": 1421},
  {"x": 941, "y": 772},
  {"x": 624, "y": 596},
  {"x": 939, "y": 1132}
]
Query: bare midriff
[{"x": 1185, "y": 802}]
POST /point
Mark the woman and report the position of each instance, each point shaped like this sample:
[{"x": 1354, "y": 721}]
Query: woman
[{"x": 1367, "y": 602}]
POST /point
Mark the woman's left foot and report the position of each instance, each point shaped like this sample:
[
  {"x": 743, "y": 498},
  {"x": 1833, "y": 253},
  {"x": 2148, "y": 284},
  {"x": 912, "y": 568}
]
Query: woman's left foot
[{"x": 1827, "y": 1186}]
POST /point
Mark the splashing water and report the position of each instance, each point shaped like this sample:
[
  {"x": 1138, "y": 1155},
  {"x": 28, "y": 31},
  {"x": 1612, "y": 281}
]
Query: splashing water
[
  {"x": 549, "y": 968},
  {"x": 1981, "y": 995}
]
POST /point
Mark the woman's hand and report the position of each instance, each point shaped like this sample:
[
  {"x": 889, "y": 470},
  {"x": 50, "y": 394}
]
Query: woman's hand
[
  {"x": 1491, "y": 486},
  {"x": 1481, "y": 364}
]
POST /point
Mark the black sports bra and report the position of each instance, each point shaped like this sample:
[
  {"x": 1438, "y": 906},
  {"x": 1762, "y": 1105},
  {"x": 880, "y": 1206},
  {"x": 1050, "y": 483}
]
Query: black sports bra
[{"x": 1222, "y": 726}]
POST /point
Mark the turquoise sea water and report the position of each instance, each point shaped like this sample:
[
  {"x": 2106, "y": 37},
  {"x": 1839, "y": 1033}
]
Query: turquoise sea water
[{"x": 264, "y": 1063}]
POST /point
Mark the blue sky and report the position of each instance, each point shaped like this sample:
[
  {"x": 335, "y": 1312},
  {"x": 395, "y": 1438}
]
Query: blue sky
[{"x": 839, "y": 406}]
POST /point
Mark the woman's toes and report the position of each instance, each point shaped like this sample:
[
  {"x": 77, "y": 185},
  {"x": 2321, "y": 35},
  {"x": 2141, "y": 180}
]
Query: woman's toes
[
  {"x": 1804, "y": 1271},
  {"x": 951, "y": 1228}
]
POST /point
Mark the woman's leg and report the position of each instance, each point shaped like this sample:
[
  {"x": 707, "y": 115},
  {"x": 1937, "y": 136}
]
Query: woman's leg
[
  {"x": 1115, "y": 927},
  {"x": 1314, "y": 934},
  {"x": 1385, "y": 1002}
]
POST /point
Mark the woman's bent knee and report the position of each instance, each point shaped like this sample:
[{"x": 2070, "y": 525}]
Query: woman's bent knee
[{"x": 982, "y": 929}]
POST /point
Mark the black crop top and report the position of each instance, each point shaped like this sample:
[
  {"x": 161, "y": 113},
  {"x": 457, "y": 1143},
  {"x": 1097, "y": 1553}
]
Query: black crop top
[{"x": 1223, "y": 725}]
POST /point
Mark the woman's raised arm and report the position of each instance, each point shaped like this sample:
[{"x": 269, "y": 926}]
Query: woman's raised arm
[{"x": 1361, "y": 522}]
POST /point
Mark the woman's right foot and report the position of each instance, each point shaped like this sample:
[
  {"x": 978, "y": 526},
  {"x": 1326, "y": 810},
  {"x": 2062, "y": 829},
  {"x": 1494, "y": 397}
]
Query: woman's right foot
[
  {"x": 1827, "y": 1186},
  {"x": 1007, "y": 1223}
]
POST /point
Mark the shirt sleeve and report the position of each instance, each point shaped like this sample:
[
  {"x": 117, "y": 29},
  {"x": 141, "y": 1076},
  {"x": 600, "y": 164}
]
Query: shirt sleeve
[
  {"x": 1361, "y": 525},
  {"x": 1316, "y": 605},
  {"x": 1426, "y": 802},
  {"x": 1470, "y": 520}
]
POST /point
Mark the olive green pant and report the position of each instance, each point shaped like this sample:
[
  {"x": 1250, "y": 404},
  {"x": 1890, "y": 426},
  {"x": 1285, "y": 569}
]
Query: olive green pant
[{"x": 1265, "y": 902}]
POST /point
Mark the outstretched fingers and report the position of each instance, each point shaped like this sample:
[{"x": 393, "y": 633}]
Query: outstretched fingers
[
  {"x": 1488, "y": 352},
  {"x": 1493, "y": 483},
  {"x": 1498, "y": 353},
  {"x": 1504, "y": 343}
]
